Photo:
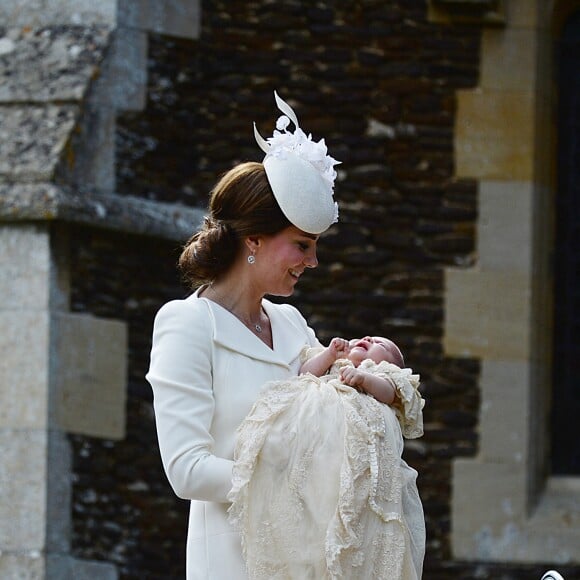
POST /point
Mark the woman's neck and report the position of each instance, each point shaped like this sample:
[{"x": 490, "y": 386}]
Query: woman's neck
[{"x": 235, "y": 297}]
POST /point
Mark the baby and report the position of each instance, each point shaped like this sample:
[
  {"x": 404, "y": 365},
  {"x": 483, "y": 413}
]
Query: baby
[
  {"x": 320, "y": 488},
  {"x": 374, "y": 348}
]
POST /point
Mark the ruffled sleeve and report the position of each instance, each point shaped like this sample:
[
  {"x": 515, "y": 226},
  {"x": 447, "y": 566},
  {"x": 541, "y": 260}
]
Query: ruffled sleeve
[
  {"x": 408, "y": 405},
  {"x": 308, "y": 351}
]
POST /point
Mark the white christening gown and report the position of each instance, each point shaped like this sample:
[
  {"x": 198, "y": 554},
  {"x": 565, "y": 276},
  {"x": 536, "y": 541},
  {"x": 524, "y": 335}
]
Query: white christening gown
[{"x": 320, "y": 489}]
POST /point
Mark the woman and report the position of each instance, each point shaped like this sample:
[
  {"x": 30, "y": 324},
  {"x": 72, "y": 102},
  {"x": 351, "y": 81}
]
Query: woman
[{"x": 214, "y": 350}]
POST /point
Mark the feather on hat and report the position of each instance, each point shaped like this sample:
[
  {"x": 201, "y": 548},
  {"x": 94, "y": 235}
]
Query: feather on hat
[{"x": 300, "y": 172}]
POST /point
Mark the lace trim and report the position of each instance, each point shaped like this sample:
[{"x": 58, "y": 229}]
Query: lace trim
[
  {"x": 409, "y": 404},
  {"x": 368, "y": 534}
]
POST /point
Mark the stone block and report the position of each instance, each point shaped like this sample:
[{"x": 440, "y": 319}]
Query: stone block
[
  {"x": 479, "y": 12},
  {"x": 54, "y": 64},
  {"x": 24, "y": 367},
  {"x": 494, "y": 135},
  {"x": 90, "y": 376},
  {"x": 34, "y": 565},
  {"x": 508, "y": 59},
  {"x": 505, "y": 530},
  {"x": 546, "y": 72},
  {"x": 476, "y": 533},
  {"x": 487, "y": 314},
  {"x": 83, "y": 11},
  {"x": 22, "y": 565},
  {"x": 38, "y": 13},
  {"x": 92, "y": 166},
  {"x": 33, "y": 139},
  {"x": 505, "y": 412},
  {"x": 58, "y": 493},
  {"x": 123, "y": 81},
  {"x": 72, "y": 569},
  {"x": 528, "y": 13},
  {"x": 46, "y": 202},
  {"x": 23, "y": 468},
  {"x": 24, "y": 267},
  {"x": 170, "y": 17},
  {"x": 505, "y": 226}
]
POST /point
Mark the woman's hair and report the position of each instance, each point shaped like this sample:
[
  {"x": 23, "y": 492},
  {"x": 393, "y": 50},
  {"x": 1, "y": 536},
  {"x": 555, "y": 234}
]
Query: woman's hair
[{"x": 241, "y": 204}]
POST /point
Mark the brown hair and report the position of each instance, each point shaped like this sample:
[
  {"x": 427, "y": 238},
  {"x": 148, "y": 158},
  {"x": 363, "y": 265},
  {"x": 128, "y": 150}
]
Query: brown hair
[{"x": 241, "y": 204}]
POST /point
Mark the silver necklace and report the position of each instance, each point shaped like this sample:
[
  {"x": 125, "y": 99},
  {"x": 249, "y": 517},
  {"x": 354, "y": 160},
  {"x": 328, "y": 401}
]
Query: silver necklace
[{"x": 256, "y": 325}]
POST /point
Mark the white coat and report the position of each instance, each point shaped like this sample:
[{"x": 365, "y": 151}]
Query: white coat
[{"x": 206, "y": 371}]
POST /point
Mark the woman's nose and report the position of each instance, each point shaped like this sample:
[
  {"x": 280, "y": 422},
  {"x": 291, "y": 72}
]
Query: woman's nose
[{"x": 310, "y": 260}]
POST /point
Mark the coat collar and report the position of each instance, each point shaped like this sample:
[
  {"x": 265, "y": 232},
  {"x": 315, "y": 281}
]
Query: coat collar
[{"x": 288, "y": 336}]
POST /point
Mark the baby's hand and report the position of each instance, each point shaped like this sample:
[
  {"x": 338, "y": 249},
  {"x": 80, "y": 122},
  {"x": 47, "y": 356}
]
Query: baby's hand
[
  {"x": 339, "y": 347},
  {"x": 353, "y": 377}
]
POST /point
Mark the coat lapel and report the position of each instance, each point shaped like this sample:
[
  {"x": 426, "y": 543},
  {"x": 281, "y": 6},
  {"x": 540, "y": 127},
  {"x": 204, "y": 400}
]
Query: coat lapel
[{"x": 288, "y": 337}]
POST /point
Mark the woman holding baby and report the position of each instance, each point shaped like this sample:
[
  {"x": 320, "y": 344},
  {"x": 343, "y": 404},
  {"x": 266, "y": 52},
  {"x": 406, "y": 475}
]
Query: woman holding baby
[{"x": 213, "y": 352}]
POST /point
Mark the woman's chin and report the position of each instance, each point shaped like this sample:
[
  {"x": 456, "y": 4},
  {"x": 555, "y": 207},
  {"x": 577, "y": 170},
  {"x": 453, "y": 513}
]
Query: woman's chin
[{"x": 282, "y": 293}]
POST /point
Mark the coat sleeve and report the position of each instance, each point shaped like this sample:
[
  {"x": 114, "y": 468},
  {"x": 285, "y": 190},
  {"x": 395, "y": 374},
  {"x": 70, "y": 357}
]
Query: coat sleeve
[{"x": 180, "y": 374}]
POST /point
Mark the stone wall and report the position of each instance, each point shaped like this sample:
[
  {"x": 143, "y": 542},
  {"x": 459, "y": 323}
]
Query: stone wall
[
  {"x": 124, "y": 510},
  {"x": 378, "y": 81}
]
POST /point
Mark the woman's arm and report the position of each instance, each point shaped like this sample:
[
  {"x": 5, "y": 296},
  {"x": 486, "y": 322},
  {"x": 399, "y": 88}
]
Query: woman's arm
[{"x": 181, "y": 377}]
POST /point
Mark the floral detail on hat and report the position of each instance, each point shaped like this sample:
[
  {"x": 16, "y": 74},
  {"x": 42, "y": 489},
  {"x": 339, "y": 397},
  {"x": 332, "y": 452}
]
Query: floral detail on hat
[
  {"x": 300, "y": 173},
  {"x": 283, "y": 141}
]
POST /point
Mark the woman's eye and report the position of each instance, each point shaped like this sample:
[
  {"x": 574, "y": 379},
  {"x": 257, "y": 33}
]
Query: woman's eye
[{"x": 303, "y": 246}]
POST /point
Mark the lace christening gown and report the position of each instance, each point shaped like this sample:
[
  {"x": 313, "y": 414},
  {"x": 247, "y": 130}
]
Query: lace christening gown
[{"x": 320, "y": 489}]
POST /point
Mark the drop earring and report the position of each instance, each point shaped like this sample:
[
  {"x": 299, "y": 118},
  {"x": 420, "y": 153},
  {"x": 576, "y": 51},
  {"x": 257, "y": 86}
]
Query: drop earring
[{"x": 251, "y": 259}]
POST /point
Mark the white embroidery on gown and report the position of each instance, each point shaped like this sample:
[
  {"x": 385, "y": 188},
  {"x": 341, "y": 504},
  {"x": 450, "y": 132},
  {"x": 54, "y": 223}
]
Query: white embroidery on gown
[{"x": 319, "y": 486}]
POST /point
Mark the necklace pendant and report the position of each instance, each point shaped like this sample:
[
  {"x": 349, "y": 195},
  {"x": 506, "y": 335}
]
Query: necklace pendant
[{"x": 258, "y": 328}]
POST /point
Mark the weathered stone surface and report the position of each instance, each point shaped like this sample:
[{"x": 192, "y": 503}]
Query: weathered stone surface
[
  {"x": 505, "y": 230},
  {"x": 517, "y": 50},
  {"x": 22, "y": 565},
  {"x": 23, "y": 468},
  {"x": 25, "y": 266},
  {"x": 170, "y": 17},
  {"x": 488, "y": 12},
  {"x": 33, "y": 140},
  {"x": 37, "y": 13},
  {"x": 34, "y": 565},
  {"x": 73, "y": 569},
  {"x": 50, "y": 64},
  {"x": 505, "y": 386},
  {"x": 45, "y": 201},
  {"x": 123, "y": 81},
  {"x": 89, "y": 363},
  {"x": 24, "y": 388},
  {"x": 488, "y": 314},
  {"x": 503, "y": 118}
]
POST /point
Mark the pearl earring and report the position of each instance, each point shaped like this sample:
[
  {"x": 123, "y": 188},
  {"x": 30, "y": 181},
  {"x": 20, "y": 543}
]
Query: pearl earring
[{"x": 251, "y": 259}]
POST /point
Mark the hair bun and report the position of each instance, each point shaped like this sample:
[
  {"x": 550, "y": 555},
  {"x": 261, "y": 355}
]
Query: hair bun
[{"x": 209, "y": 252}]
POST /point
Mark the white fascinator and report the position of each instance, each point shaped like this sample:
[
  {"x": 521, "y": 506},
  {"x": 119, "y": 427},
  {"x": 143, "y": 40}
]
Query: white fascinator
[{"x": 300, "y": 172}]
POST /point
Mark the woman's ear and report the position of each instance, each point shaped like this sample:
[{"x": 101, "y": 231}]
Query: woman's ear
[{"x": 253, "y": 243}]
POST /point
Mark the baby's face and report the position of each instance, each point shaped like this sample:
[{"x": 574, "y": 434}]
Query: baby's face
[{"x": 376, "y": 348}]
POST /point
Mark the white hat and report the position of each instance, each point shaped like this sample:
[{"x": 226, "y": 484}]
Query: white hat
[{"x": 300, "y": 173}]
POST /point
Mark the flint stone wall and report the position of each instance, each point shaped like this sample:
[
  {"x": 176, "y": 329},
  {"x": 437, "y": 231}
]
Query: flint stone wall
[{"x": 378, "y": 81}]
